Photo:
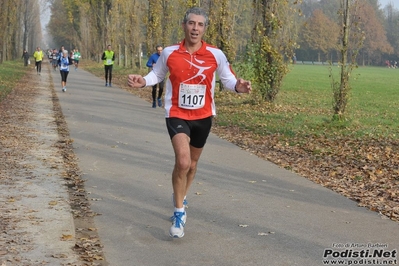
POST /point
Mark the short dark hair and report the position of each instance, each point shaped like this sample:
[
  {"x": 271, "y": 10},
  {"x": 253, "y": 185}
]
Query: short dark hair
[{"x": 196, "y": 11}]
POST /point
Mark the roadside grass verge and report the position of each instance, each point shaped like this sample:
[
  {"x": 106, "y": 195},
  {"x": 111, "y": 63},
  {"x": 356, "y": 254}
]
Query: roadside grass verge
[{"x": 10, "y": 73}]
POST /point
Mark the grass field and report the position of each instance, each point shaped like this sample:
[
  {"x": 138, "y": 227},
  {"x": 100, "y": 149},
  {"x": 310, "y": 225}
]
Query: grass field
[
  {"x": 374, "y": 101},
  {"x": 10, "y": 73},
  {"x": 304, "y": 105}
]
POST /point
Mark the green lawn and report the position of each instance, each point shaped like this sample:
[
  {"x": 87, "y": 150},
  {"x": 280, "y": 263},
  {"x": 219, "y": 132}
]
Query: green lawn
[
  {"x": 10, "y": 73},
  {"x": 304, "y": 105}
]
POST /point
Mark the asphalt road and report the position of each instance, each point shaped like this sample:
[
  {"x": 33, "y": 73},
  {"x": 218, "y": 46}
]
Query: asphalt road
[{"x": 242, "y": 210}]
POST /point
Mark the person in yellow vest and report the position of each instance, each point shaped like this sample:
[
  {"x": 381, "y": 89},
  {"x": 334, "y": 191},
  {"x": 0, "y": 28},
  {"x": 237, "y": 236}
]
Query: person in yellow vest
[
  {"x": 108, "y": 58},
  {"x": 38, "y": 55}
]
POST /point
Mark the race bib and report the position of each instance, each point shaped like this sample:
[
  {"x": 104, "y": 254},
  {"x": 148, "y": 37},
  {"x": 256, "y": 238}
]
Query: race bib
[
  {"x": 109, "y": 61},
  {"x": 192, "y": 96},
  {"x": 64, "y": 64}
]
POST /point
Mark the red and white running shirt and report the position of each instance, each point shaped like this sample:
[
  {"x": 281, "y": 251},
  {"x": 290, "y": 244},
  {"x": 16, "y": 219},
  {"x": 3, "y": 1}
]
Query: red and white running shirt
[{"x": 189, "y": 93}]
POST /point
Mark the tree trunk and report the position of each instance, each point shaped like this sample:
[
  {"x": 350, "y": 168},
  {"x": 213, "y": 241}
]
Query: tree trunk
[{"x": 341, "y": 96}]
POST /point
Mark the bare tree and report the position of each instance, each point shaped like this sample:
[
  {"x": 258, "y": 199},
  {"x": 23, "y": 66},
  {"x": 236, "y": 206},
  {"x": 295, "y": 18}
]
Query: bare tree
[
  {"x": 342, "y": 88},
  {"x": 10, "y": 27},
  {"x": 28, "y": 20}
]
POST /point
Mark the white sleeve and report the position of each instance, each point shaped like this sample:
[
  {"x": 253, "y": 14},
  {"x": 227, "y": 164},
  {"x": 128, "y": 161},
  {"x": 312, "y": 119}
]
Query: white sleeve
[
  {"x": 151, "y": 79},
  {"x": 226, "y": 74}
]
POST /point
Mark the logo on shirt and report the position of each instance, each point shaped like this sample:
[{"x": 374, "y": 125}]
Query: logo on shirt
[{"x": 201, "y": 70}]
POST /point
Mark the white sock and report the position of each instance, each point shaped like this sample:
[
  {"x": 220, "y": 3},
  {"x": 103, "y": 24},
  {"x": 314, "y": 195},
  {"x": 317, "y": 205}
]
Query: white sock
[{"x": 179, "y": 209}]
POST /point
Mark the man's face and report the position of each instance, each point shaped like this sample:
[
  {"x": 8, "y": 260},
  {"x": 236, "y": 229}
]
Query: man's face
[
  {"x": 109, "y": 47},
  {"x": 159, "y": 50},
  {"x": 194, "y": 29}
]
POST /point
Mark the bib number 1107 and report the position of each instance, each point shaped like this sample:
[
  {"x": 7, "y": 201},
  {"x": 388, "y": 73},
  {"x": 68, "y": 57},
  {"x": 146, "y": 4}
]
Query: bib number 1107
[{"x": 191, "y": 96}]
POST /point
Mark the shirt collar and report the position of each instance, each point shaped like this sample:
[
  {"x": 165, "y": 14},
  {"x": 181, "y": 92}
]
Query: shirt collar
[{"x": 201, "y": 51}]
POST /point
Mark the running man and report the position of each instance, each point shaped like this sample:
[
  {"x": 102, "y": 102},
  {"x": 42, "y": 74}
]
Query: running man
[
  {"x": 151, "y": 63},
  {"x": 109, "y": 58},
  {"x": 76, "y": 58},
  {"x": 189, "y": 102},
  {"x": 38, "y": 55}
]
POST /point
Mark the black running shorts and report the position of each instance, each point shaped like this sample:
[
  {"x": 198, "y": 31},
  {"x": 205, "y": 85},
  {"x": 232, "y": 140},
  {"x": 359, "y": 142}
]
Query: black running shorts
[{"x": 197, "y": 130}]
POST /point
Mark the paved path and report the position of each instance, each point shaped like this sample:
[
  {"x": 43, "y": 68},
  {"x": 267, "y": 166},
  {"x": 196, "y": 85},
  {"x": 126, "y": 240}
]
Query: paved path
[{"x": 242, "y": 210}]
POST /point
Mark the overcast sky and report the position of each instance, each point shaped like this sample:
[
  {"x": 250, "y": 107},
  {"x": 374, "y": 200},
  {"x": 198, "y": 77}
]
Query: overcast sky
[{"x": 385, "y": 2}]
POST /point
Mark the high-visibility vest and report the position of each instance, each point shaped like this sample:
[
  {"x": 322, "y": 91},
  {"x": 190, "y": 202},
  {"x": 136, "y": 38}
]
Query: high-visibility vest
[
  {"x": 108, "y": 58},
  {"x": 38, "y": 55}
]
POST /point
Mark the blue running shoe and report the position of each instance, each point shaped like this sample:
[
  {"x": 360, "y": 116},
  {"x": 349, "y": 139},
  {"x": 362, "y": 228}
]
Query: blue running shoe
[
  {"x": 154, "y": 104},
  {"x": 178, "y": 223},
  {"x": 185, "y": 204},
  {"x": 159, "y": 102},
  {"x": 106, "y": 84}
]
